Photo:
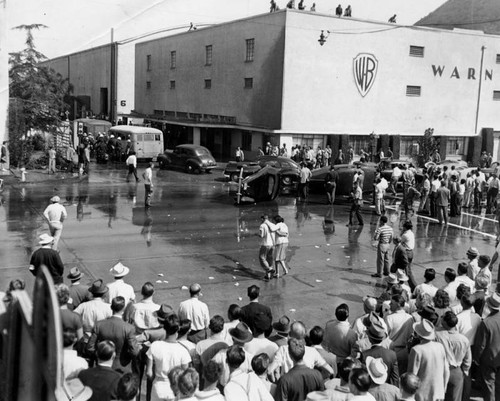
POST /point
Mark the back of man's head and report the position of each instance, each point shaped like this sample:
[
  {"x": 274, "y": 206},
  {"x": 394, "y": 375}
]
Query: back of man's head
[
  {"x": 430, "y": 274},
  {"x": 450, "y": 275},
  {"x": 69, "y": 337},
  {"x": 399, "y": 300},
  {"x": 118, "y": 304},
  {"x": 171, "y": 324},
  {"x": 346, "y": 368},
  {"x": 383, "y": 219},
  {"x": 62, "y": 293},
  {"x": 216, "y": 324},
  {"x": 105, "y": 350},
  {"x": 233, "y": 312},
  {"x": 466, "y": 301},
  {"x": 147, "y": 290},
  {"x": 342, "y": 312},
  {"x": 260, "y": 363},
  {"x": 409, "y": 384},
  {"x": 235, "y": 356},
  {"x": 184, "y": 327},
  {"x": 194, "y": 289},
  {"x": 127, "y": 387},
  {"x": 316, "y": 335},
  {"x": 450, "y": 319},
  {"x": 297, "y": 330},
  {"x": 212, "y": 372},
  {"x": 360, "y": 380},
  {"x": 296, "y": 349},
  {"x": 253, "y": 292},
  {"x": 462, "y": 268}
]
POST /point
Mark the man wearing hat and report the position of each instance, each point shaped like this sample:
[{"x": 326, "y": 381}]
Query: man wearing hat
[
  {"x": 428, "y": 361},
  {"x": 379, "y": 387},
  {"x": 55, "y": 214},
  {"x": 48, "y": 257},
  {"x": 486, "y": 349},
  {"x": 377, "y": 333},
  {"x": 196, "y": 311},
  {"x": 484, "y": 262},
  {"x": 95, "y": 309},
  {"x": 281, "y": 328},
  {"x": 78, "y": 292},
  {"x": 119, "y": 287},
  {"x": 479, "y": 296}
]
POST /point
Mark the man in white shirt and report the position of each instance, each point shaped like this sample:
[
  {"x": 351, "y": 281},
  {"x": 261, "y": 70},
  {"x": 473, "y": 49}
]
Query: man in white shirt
[
  {"x": 143, "y": 313},
  {"x": 131, "y": 163},
  {"x": 196, "y": 311},
  {"x": 55, "y": 214},
  {"x": 395, "y": 176},
  {"x": 462, "y": 277},
  {"x": 266, "y": 248},
  {"x": 216, "y": 327},
  {"x": 95, "y": 309},
  {"x": 148, "y": 184},
  {"x": 259, "y": 343},
  {"x": 119, "y": 287},
  {"x": 427, "y": 287}
]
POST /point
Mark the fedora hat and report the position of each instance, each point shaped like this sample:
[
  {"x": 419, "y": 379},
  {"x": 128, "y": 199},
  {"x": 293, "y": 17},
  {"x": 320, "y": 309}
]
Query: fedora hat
[
  {"x": 282, "y": 325},
  {"x": 428, "y": 312},
  {"x": 241, "y": 333},
  {"x": 119, "y": 270},
  {"x": 55, "y": 199},
  {"x": 370, "y": 302},
  {"x": 425, "y": 329},
  {"x": 75, "y": 390},
  {"x": 75, "y": 274},
  {"x": 472, "y": 251},
  {"x": 164, "y": 312},
  {"x": 494, "y": 301},
  {"x": 45, "y": 239},
  {"x": 401, "y": 275},
  {"x": 376, "y": 330},
  {"x": 377, "y": 369},
  {"x": 482, "y": 282},
  {"x": 391, "y": 279},
  {"x": 98, "y": 288}
]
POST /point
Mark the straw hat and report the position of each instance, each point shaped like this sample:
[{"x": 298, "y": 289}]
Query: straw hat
[
  {"x": 494, "y": 301},
  {"x": 75, "y": 274},
  {"x": 377, "y": 369},
  {"x": 45, "y": 239},
  {"x": 119, "y": 270},
  {"x": 472, "y": 251},
  {"x": 425, "y": 329},
  {"x": 55, "y": 199}
]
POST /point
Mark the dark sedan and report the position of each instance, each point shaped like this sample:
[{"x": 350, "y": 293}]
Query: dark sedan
[
  {"x": 346, "y": 177},
  {"x": 190, "y": 158},
  {"x": 289, "y": 171}
]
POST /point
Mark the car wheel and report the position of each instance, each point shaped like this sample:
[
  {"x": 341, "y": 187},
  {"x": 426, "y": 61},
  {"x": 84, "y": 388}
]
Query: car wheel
[
  {"x": 287, "y": 180},
  {"x": 161, "y": 164},
  {"x": 235, "y": 177},
  {"x": 192, "y": 169}
]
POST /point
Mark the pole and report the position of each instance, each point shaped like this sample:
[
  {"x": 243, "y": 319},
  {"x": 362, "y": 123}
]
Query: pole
[{"x": 479, "y": 89}]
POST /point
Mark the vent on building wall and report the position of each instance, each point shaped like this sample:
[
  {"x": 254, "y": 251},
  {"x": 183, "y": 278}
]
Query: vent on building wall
[
  {"x": 148, "y": 84},
  {"x": 172, "y": 84},
  {"x": 208, "y": 83},
  {"x": 248, "y": 83},
  {"x": 413, "y": 90},
  {"x": 496, "y": 95},
  {"x": 498, "y": 58},
  {"x": 417, "y": 51}
]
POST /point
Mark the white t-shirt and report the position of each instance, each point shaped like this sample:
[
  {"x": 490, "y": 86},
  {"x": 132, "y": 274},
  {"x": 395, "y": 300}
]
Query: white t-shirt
[{"x": 167, "y": 355}]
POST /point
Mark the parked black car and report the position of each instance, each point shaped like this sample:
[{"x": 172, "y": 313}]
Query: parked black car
[{"x": 190, "y": 158}]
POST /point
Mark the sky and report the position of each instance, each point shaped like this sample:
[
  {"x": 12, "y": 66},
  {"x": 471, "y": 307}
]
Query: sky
[{"x": 75, "y": 25}]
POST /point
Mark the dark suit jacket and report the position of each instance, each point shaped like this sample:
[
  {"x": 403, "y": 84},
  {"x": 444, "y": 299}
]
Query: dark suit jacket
[
  {"x": 122, "y": 334},
  {"x": 252, "y": 311},
  {"x": 486, "y": 348},
  {"x": 103, "y": 382},
  {"x": 389, "y": 358}
]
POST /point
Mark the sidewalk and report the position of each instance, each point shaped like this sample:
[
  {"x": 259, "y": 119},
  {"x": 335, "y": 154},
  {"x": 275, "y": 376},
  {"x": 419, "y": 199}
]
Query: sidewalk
[{"x": 33, "y": 176}]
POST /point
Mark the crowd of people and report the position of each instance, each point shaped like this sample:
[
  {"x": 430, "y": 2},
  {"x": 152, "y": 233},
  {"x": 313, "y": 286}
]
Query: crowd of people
[{"x": 414, "y": 341}]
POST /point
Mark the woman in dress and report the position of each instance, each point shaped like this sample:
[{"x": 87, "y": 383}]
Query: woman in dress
[{"x": 280, "y": 230}]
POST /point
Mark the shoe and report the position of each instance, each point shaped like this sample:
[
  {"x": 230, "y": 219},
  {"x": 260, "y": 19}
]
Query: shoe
[
  {"x": 377, "y": 275},
  {"x": 276, "y": 276},
  {"x": 285, "y": 273},
  {"x": 266, "y": 278},
  {"x": 385, "y": 274}
]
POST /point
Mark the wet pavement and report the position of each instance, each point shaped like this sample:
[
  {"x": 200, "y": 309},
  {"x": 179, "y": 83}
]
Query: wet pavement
[{"x": 195, "y": 233}]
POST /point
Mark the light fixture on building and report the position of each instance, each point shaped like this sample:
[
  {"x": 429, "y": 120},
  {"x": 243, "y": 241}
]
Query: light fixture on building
[{"x": 322, "y": 37}]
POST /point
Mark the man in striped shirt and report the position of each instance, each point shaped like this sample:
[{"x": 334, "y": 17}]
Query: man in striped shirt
[{"x": 383, "y": 235}]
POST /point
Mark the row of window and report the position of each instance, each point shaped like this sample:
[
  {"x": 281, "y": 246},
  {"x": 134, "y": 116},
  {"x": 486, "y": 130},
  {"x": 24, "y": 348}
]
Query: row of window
[
  {"x": 412, "y": 90},
  {"x": 248, "y": 84},
  {"x": 249, "y": 55}
]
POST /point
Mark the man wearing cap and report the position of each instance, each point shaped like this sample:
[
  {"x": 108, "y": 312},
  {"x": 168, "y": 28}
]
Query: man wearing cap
[
  {"x": 55, "y": 214},
  {"x": 95, "y": 309},
  {"x": 119, "y": 287},
  {"x": 48, "y": 257},
  {"x": 78, "y": 292},
  {"x": 479, "y": 296},
  {"x": 486, "y": 350},
  {"x": 428, "y": 361},
  {"x": 196, "y": 311},
  {"x": 380, "y": 388},
  {"x": 300, "y": 380},
  {"x": 121, "y": 333},
  {"x": 281, "y": 328},
  {"x": 484, "y": 262},
  {"x": 251, "y": 311},
  {"x": 377, "y": 333},
  {"x": 458, "y": 355}
]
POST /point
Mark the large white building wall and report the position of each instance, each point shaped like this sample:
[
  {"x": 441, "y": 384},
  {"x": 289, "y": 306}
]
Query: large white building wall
[
  {"x": 320, "y": 94},
  {"x": 4, "y": 73}
]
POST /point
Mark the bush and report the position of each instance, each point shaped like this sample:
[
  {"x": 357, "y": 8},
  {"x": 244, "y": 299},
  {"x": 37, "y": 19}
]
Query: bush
[{"x": 38, "y": 142}]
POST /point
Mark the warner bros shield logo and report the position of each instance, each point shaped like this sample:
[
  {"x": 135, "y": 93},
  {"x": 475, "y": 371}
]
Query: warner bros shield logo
[{"x": 365, "y": 68}]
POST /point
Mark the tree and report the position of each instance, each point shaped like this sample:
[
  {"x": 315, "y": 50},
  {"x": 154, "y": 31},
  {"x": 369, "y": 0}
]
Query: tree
[
  {"x": 37, "y": 96},
  {"x": 427, "y": 145}
]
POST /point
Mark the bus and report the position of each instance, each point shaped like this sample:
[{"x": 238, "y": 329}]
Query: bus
[{"x": 147, "y": 142}]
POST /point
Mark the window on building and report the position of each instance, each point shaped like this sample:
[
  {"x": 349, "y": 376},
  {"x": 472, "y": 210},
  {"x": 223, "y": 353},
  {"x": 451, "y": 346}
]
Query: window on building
[
  {"x": 496, "y": 95},
  {"x": 208, "y": 83},
  {"x": 173, "y": 59},
  {"x": 413, "y": 90},
  {"x": 417, "y": 51},
  {"x": 172, "y": 84},
  {"x": 456, "y": 145},
  {"x": 148, "y": 62},
  {"x": 148, "y": 84},
  {"x": 359, "y": 142},
  {"x": 246, "y": 141},
  {"x": 250, "y": 49},
  {"x": 498, "y": 58},
  {"x": 409, "y": 146},
  {"x": 208, "y": 55},
  {"x": 248, "y": 83}
]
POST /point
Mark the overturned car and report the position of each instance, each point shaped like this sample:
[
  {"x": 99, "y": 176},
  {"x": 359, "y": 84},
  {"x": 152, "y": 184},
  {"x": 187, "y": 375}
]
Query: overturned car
[{"x": 262, "y": 186}]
